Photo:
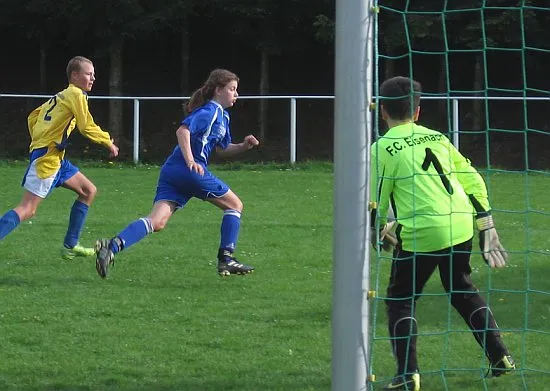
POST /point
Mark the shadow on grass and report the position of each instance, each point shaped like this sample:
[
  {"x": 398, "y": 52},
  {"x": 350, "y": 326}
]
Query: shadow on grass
[
  {"x": 17, "y": 281},
  {"x": 248, "y": 384},
  {"x": 13, "y": 281},
  {"x": 475, "y": 379}
]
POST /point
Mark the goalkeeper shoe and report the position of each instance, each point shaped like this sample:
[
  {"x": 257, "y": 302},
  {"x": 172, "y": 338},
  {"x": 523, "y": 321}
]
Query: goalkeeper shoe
[
  {"x": 409, "y": 382},
  {"x": 104, "y": 257},
  {"x": 228, "y": 264},
  {"x": 503, "y": 366},
  {"x": 76, "y": 251}
]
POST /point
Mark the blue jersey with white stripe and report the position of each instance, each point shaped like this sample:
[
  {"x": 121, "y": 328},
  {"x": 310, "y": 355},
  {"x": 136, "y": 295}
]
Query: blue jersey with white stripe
[{"x": 209, "y": 128}]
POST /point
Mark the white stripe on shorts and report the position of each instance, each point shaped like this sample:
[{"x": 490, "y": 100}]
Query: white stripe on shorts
[{"x": 38, "y": 186}]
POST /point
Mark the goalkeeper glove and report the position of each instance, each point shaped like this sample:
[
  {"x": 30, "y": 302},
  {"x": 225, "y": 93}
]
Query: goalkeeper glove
[
  {"x": 491, "y": 250},
  {"x": 384, "y": 237}
]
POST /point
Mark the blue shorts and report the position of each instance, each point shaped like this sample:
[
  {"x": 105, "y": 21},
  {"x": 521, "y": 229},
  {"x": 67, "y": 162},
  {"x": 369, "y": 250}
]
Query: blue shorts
[
  {"x": 43, "y": 186},
  {"x": 178, "y": 184}
]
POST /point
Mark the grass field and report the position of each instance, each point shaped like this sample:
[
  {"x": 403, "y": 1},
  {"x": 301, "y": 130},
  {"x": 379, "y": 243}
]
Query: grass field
[{"x": 164, "y": 320}]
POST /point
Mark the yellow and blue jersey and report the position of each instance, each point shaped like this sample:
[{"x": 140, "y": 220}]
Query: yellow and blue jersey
[
  {"x": 51, "y": 124},
  {"x": 209, "y": 128},
  {"x": 430, "y": 185}
]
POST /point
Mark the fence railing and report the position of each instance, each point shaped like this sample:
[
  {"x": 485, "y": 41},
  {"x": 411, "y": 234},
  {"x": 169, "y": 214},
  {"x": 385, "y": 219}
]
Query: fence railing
[{"x": 455, "y": 113}]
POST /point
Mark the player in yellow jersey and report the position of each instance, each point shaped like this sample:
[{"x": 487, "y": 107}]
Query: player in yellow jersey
[
  {"x": 435, "y": 193},
  {"x": 50, "y": 126}
]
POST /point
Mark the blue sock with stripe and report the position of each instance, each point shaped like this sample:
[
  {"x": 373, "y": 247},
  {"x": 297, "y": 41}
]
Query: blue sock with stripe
[
  {"x": 231, "y": 224},
  {"x": 8, "y": 223},
  {"x": 79, "y": 212},
  {"x": 132, "y": 234}
]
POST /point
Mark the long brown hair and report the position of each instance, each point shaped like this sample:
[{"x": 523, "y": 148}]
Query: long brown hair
[{"x": 217, "y": 78}]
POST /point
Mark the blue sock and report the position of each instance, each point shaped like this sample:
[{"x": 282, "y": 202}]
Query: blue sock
[
  {"x": 79, "y": 211},
  {"x": 231, "y": 224},
  {"x": 8, "y": 222},
  {"x": 132, "y": 234}
]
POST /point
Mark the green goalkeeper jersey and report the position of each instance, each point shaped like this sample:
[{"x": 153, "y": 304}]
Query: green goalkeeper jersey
[{"x": 432, "y": 188}]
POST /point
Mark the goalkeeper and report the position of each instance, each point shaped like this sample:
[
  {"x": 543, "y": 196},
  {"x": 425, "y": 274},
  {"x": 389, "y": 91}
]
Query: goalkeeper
[{"x": 434, "y": 193}]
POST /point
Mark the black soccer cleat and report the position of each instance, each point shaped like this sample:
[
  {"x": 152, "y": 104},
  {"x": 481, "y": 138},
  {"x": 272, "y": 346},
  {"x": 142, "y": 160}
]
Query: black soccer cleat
[
  {"x": 104, "y": 257},
  {"x": 227, "y": 265},
  {"x": 503, "y": 366},
  {"x": 410, "y": 382}
]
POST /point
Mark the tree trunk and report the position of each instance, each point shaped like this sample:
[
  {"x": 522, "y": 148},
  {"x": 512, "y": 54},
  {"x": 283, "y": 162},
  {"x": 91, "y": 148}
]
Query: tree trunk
[
  {"x": 264, "y": 90},
  {"x": 389, "y": 66},
  {"x": 115, "y": 88},
  {"x": 444, "y": 105},
  {"x": 185, "y": 55},
  {"x": 42, "y": 65},
  {"x": 477, "y": 105}
]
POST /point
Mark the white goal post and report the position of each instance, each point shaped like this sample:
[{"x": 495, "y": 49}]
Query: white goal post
[{"x": 352, "y": 133}]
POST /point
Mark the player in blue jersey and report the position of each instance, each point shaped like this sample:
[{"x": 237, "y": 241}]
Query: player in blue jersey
[
  {"x": 50, "y": 126},
  {"x": 185, "y": 175},
  {"x": 434, "y": 193}
]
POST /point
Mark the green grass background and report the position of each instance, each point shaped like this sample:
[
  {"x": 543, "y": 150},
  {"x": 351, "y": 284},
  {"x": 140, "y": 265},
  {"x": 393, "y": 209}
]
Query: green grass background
[{"x": 164, "y": 320}]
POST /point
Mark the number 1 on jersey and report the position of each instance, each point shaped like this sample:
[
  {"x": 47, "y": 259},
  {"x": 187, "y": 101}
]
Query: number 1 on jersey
[{"x": 432, "y": 159}]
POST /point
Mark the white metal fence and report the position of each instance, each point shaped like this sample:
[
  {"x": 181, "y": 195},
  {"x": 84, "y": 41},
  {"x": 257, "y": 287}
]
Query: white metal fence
[{"x": 292, "y": 99}]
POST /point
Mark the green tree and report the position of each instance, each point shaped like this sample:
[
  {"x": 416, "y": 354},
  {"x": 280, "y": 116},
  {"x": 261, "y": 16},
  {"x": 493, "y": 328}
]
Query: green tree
[
  {"x": 175, "y": 17},
  {"x": 111, "y": 24},
  {"x": 271, "y": 27},
  {"x": 491, "y": 29},
  {"x": 38, "y": 21},
  {"x": 454, "y": 27}
]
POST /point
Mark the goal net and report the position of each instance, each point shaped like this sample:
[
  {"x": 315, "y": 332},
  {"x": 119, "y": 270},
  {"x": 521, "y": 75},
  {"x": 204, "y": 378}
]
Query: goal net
[{"x": 483, "y": 65}]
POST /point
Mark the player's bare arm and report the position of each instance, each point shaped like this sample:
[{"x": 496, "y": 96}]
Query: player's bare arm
[
  {"x": 249, "y": 142},
  {"x": 184, "y": 141},
  {"x": 113, "y": 149}
]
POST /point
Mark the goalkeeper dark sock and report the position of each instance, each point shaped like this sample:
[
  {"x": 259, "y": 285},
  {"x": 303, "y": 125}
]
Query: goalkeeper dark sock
[
  {"x": 485, "y": 330},
  {"x": 480, "y": 319},
  {"x": 403, "y": 331}
]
